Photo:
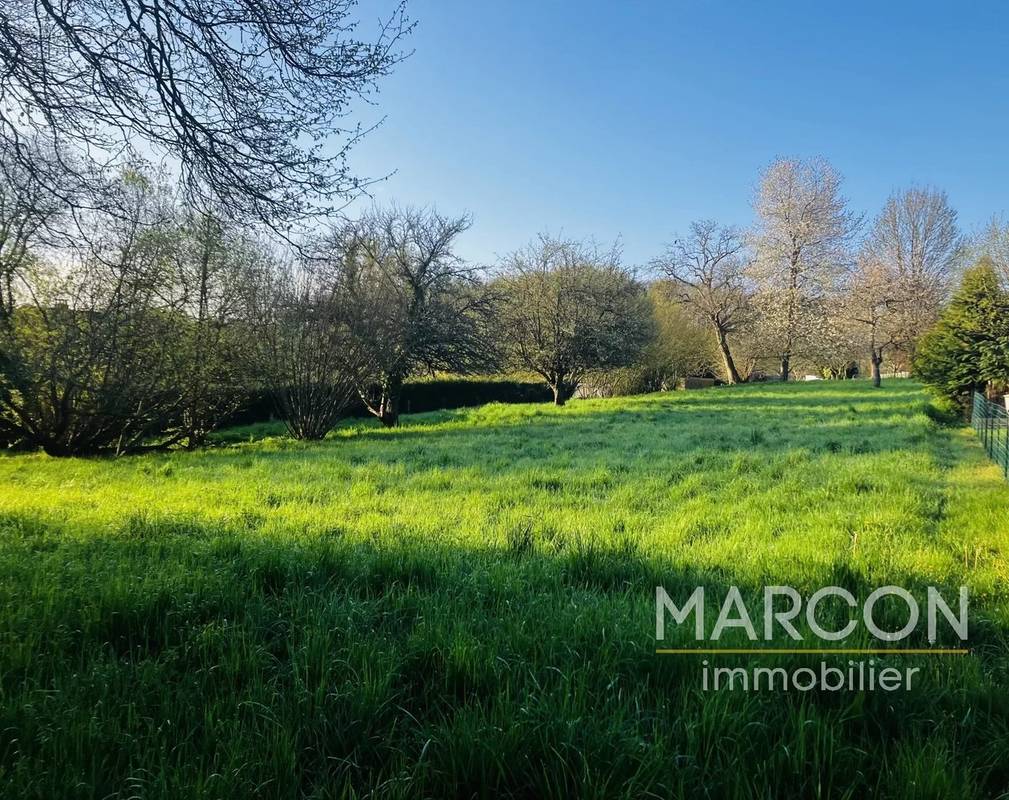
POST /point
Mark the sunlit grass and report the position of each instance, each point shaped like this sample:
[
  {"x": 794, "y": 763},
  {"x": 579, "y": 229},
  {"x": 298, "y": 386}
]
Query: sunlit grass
[{"x": 464, "y": 606}]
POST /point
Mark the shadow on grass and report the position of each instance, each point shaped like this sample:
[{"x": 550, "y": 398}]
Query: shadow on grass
[{"x": 172, "y": 655}]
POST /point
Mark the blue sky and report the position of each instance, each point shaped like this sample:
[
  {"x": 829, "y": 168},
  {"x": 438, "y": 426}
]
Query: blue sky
[{"x": 631, "y": 119}]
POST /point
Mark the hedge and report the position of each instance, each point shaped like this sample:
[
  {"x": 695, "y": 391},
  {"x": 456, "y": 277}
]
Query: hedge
[{"x": 418, "y": 396}]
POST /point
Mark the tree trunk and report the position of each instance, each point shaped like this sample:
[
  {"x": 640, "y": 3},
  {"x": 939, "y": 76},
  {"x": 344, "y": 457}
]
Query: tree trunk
[
  {"x": 563, "y": 391},
  {"x": 388, "y": 410},
  {"x": 785, "y": 359},
  {"x": 730, "y": 365},
  {"x": 877, "y": 360}
]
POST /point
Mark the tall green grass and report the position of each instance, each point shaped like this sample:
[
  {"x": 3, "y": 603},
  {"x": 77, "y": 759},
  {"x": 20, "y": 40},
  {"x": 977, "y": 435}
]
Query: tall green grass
[{"x": 464, "y": 606}]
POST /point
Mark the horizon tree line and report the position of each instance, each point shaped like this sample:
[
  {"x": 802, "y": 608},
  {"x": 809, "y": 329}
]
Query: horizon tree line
[{"x": 147, "y": 322}]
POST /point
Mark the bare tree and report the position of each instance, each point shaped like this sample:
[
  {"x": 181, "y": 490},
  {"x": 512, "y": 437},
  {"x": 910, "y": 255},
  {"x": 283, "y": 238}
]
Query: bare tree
[
  {"x": 27, "y": 212},
  {"x": 213, "y": 263},
  {"x": 915, "y": 243},
  {"x": 993, "y": 243},
  {"x": 568, "y": 309},
  {"x": 135, "y": 336},
  {"x": 410, "y": 303},
  {"x": 802, "y": 239},
  {"x": 249, "y": 97},
  {"x": 873, "y": 299},
  {"x": 88, "y": 356},
  {"x": 707, "y": 270},
  {"x": 299, "y": 331}
]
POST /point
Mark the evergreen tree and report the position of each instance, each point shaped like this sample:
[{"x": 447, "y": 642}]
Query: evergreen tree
[{"x": 968, "y": 349}]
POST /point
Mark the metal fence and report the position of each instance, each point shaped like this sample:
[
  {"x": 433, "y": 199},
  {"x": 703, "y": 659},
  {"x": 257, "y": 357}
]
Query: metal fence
[{"x": 991, "y": 421}]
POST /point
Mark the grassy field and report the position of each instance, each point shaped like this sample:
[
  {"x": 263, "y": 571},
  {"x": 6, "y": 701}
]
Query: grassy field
[{"x": 464, "y": 606}]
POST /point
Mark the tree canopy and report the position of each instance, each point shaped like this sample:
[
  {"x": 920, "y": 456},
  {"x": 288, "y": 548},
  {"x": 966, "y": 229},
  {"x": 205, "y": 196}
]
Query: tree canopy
[
  {"x": 568, "y": 309},
  {"x": 250, "y": 98}
]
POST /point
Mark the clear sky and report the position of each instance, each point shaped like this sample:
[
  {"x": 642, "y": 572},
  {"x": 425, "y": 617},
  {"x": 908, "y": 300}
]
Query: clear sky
[{"x": 631, "y": 119}]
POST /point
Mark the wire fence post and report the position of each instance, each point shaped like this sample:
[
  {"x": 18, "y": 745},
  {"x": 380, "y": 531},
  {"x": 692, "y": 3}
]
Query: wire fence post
[
  {"x": 1005, "y": 442},
  {"x": 1005, "y": 448},
  {"x": 987, "y": 429}
]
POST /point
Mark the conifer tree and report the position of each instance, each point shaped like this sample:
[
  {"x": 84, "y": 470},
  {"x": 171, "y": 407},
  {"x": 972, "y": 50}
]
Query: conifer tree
[{"x": 968, "y": 349}]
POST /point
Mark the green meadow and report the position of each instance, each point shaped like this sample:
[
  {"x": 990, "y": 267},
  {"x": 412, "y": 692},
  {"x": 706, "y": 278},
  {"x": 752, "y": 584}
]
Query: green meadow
[{"x": 464, "y": 606}]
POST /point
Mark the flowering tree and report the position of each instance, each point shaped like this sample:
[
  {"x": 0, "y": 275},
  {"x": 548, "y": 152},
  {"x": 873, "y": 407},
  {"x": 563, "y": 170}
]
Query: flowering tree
[
  {"x": 802, "y": 242},
  {"x": 914, "y": 246}
]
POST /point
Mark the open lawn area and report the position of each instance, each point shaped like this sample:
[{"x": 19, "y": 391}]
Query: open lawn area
[{"x": 464, "y": 606}]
